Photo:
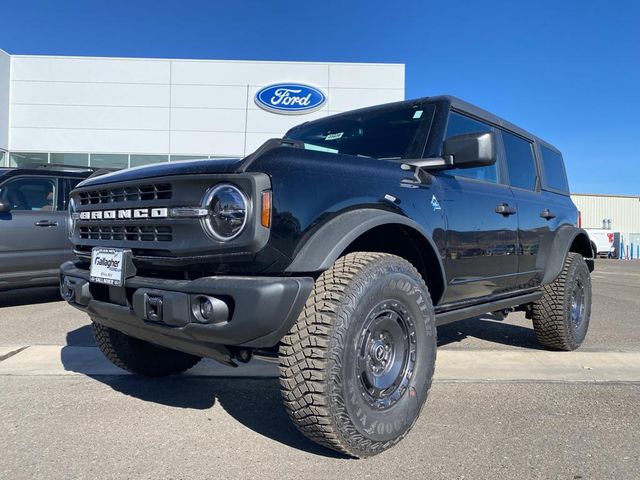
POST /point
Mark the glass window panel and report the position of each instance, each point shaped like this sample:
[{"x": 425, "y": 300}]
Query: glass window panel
[
  {"x": 181, "y": 158},
  {"x": 554, "y": 174},
  {"x": 520, "y": 161},
  {"x": 22, "y": 159},
  {"x": 138, "y": 160},
  {"x": 459, "y": 124},
  {"x": 30, "y": 193},
  {"x": 2, "y": 158},
  {"x": 109, "y": 160},
  {"x": 76, "y": 159}
]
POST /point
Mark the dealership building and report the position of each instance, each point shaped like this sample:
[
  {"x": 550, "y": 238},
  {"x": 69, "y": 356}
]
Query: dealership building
[{"x": 125, "y": 112}]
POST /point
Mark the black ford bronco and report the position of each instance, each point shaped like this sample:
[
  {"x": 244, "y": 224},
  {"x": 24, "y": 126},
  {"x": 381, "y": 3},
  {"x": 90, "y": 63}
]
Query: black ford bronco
[{"x": 335, "y": 251}]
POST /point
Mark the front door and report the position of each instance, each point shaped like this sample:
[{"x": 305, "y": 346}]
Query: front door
[
  {"x": 481, "y": 224},
  {"x": 33, "y": 235}
]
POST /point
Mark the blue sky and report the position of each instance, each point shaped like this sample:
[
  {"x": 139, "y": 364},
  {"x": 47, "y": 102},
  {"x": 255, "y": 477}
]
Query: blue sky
[{"x": 568, "y": 71}]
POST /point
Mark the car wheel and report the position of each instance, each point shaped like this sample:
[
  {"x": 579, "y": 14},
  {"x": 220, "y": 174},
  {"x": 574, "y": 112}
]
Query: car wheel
[
  {"x": 561, "y": 316},
  {"x": 138, "y": 356},
  {"x": 356, "y": 368}
]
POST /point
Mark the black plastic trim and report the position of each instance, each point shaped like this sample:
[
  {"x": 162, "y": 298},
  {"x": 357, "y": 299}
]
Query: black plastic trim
[{"x": 264, "y": 308}]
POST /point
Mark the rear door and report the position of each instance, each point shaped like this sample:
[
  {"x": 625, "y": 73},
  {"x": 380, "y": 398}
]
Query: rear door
[
  {"x": 533, "y": 229},
  {"x": 33, "y": 236},
  {"x": 481, "y": 242}
]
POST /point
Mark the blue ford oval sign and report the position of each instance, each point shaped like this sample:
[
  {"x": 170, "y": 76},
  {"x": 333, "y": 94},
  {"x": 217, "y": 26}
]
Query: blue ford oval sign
[{"x": 290, "y": 98}]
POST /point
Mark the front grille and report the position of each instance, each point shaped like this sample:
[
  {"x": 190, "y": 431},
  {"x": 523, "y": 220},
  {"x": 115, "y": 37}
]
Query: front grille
[
  {"x": 134, "y": 193},
  {"x": 133, "y": 233}
]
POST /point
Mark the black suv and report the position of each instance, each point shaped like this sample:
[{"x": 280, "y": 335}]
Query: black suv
[
  {"x": 33, "y": 222},
  {"x": 335, "y": 251}
]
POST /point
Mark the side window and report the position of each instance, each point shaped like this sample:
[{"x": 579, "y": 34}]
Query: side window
[
  {"x": 521, "y": 162},
  {"x": 30, "y": 194},
  {"x": 553, "y": 166},
  {"x": 459, "y": 124}
]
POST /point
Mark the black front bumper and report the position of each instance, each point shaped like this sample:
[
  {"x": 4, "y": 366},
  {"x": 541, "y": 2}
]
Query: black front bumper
[{"x": 260, "y": 309}]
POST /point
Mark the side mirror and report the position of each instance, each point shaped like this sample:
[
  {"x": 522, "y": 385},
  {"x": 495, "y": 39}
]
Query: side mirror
[
  {"x": 471, "y": 149},
  {"x": 5, "y": 206}
]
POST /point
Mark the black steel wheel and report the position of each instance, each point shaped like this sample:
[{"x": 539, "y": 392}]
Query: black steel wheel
[{"x": 356, "y": 368}]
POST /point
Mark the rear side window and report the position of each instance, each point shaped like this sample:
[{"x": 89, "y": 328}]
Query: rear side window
[
  {"x": 554, "y": 173},
  {"x": 521, "y": 162},
  {"x": 459, "y": 124}
]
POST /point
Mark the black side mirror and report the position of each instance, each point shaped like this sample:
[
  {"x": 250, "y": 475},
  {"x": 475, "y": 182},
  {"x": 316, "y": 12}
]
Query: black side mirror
[
  {"x": 471, "y": 149},
  {"x": 5, "y": 206}
]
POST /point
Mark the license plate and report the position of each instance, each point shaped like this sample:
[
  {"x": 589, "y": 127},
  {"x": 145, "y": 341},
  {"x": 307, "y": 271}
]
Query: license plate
[{"x": 107, "y": 266}]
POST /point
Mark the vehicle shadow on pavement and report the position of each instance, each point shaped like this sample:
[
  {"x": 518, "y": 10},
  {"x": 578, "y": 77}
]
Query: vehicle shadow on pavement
[
  {"x": 254, "y": 402},
  {"x": 489, "y": 328},
  {"x": 29, "y": 296}
]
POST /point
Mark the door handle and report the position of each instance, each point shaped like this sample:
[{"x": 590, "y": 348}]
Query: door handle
[
  {"x": 505, "y": 209},
  {"x": 45, "y": 223},
  {"x": 547, "y": 214}
]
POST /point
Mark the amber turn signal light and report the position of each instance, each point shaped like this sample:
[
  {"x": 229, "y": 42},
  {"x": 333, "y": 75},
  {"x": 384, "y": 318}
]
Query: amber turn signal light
[{"x": 265, "y": 217}]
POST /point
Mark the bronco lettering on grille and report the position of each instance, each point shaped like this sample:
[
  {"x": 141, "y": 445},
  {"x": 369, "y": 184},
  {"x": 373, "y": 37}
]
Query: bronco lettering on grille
[{"x": 125, "y": 214}]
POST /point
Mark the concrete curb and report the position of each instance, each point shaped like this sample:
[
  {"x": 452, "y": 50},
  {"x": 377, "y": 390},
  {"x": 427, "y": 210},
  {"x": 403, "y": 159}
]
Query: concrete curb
[{"x": 452, "y": 365}]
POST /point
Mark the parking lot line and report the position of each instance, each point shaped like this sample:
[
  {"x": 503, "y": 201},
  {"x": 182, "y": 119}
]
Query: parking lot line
[{"x": 452, "y": 365}]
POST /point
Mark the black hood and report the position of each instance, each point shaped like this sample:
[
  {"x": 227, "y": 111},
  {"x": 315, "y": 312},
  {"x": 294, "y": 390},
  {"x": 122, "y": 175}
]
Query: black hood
[{"x": 187, "y": 167}]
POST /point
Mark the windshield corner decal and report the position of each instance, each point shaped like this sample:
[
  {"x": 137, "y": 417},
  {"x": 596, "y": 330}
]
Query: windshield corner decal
[{"x": 290, "y": 98}]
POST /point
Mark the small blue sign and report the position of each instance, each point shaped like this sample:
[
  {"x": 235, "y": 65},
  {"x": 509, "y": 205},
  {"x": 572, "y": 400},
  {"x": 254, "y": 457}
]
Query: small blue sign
[{"x": 290, "y": 98}]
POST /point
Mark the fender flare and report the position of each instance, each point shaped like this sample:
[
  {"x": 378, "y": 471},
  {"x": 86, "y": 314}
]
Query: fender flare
[
  {"x": 327, "y": 244},
  {"x": 561, "y": 246}
]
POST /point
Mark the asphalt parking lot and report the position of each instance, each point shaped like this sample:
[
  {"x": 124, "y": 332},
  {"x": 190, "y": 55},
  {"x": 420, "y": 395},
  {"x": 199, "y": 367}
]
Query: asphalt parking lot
[{"x": 500, "y": 407}]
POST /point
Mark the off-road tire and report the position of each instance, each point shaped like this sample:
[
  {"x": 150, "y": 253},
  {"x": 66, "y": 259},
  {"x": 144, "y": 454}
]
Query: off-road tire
[
  {"x": 138, "y": 356},
  {"x": 551, "y": 315},
  {"x": 318, "y": 357}
]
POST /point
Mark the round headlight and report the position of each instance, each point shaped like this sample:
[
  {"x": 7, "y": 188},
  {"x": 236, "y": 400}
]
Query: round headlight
[
  {"x": 71, "y": 218},
  {"x": 227, "y": 212}
]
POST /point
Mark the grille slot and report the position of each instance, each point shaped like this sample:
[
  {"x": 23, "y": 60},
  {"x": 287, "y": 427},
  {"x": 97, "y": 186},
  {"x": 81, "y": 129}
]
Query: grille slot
[
  {"x": 131, "y": 233},
  {"x": 133, "y": 193}
]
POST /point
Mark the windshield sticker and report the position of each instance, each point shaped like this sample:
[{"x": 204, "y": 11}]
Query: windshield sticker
[
  {"x": 417, "y": 114},
  {"x": 334, "y": 136}
]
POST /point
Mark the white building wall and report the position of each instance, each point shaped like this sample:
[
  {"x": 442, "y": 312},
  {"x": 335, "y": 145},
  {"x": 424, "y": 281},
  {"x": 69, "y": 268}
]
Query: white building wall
[
  {"x": 180, "y": 107},
  {"x": 5, "y": 75},
  {"x": 624, "y": 211}
]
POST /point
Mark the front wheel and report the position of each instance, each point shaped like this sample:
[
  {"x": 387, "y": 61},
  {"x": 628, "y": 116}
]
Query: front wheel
[
  {"x": 138, "y": 356},
  {"x": 356, "y": 368},
  {"x": 561, "y": 316}
]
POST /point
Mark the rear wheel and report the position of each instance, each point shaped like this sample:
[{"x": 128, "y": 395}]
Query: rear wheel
[
  {"x": 561, "y": 316},
  {"x": 356, "y": 368},
  {"x": 138, "y": 356}
]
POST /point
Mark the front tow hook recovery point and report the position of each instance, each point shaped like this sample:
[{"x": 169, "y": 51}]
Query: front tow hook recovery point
[{"x": 153, "y": 307}]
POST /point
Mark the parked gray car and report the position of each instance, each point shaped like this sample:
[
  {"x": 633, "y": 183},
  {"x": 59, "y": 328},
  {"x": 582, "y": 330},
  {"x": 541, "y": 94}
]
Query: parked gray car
[{"x": 33, "y": 223}]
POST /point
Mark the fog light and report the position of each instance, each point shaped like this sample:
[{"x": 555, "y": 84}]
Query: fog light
[
  {"x": 207, "y": 309},
  {"x": 66, "y": 289}
]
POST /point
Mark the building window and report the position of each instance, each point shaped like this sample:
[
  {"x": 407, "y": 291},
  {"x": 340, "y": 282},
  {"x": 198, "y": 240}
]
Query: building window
[
  {"x": 75, "y": 159},
  {"x": 180, "y": 158},
  {"x": 23, "y": 159},
  {"x": 138, "y": 160},
  {"x": 109, "y": 160},
  {"x": 2, "y": 156}
]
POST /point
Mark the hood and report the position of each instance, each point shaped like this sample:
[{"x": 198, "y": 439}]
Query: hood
[{"x": 186, "y": 167}]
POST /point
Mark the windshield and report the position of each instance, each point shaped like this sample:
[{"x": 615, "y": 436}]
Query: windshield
[{"x": 384, "y": 133}]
